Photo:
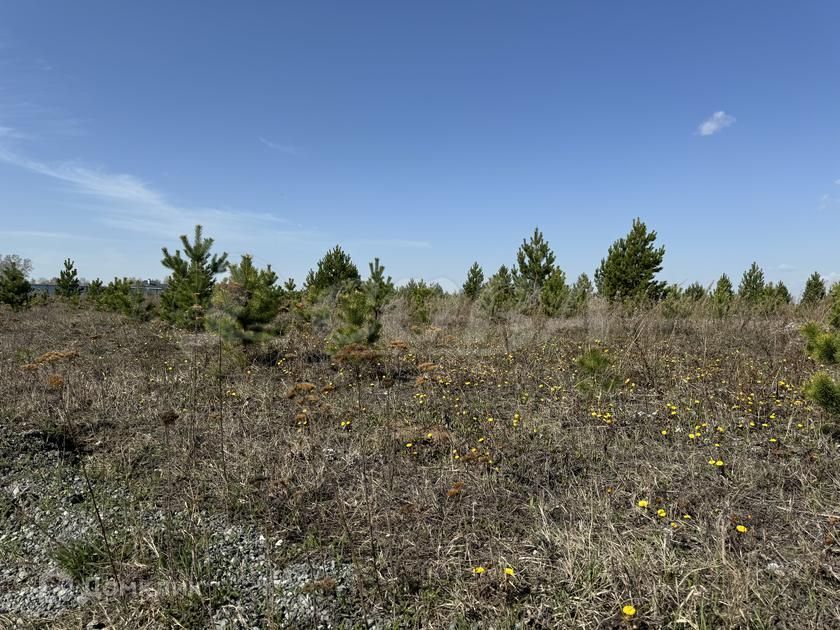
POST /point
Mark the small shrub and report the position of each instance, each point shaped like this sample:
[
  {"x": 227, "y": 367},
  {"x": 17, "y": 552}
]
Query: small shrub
[
  {"x": 597, "y": 370},
  {"x": 822, "y": 345},
  {"x": 126, "y": 297},
  {"x": 419, "y": 298}
]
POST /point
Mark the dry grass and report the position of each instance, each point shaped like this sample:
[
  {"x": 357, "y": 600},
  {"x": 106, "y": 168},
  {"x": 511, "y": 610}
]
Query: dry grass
[{"x": 445, "y": 453}]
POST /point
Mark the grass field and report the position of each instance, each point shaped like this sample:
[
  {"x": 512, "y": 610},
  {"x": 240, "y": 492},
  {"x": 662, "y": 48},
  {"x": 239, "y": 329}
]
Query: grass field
[{"x": 602, "y": 472}]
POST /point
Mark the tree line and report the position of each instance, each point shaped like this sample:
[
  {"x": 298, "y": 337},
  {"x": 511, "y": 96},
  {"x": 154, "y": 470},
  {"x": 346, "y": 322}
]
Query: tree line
[
  {"x": 247, "y": 306},
  {"x": 533, "y": 284}
]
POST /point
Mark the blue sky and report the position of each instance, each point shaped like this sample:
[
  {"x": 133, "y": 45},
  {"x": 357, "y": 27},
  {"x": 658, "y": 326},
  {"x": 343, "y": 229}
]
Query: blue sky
[{"x": 429, "y": 134}]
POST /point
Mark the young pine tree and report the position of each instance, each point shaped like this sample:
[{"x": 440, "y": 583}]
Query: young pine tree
[
  {"x": 378, "y": 289},
  {"x": 823, "y": 346},
  {"x": 751, "y": 289},
  {"x": 474, "y": 282},
  {"x": 834, "y": 313},
  {"x": 499, "y": 294},
  {"x": 124, "y": 296},
  {"x": 334, "y": 273},
  {"x": 93, "y": 291},
  {"x": 554, "y": 294},
  {"x": 723, "y": 295},
  {"x": 15, "y": 289},
  {"x": 534, "y": 263},
  {"x": 360, "y": 310},
  {"x": 246, "y": 303},
  {"x": 694, "y": 292},
  {"x": 814, "y": 292},
  {"x": 777, "y": 294},
  {"x": 580, "y": 294},
  {"x": 290, "y": 287},
  {"x": 191, "y": 281},
  {"x": 632, "y": 262},
  {"x": 420, "y": 298},
  {"x": 68, "y": 282}
]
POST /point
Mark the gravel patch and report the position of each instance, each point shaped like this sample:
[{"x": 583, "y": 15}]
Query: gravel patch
[{"x": 44, "y": 503}]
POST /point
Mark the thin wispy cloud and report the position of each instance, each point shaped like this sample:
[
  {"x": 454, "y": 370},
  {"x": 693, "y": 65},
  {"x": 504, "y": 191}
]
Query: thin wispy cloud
[
  {"x": 716, "y": 123},
  {"x": 25, "y": 117},
  {"x": 127, "y": 202},
  {"x": 828, "y": 201},
  {"x": 786, "y": 267},
  {"x": 11, "y": 133},
  {"x": 288, "y": 149},
  {"x": 837, "y": 181}
]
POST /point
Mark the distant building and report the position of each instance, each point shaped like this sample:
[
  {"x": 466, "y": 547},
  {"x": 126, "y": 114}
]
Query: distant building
[
  {"x": 44, "y": 289},
  {"x": 148, "y": 287}
]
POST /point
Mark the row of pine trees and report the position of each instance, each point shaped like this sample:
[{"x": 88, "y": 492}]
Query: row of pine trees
[{"x": 534, "y": 284}]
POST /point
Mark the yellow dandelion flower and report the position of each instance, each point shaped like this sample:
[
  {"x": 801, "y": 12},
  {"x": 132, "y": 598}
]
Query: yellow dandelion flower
[
  {"x": 642, "y": 503},
  {"x": 629, "y": 610},
  {"x": 661, "y": 513},
  {"x": 509, "y": 571},
  {"x": 741, "y": 529}
]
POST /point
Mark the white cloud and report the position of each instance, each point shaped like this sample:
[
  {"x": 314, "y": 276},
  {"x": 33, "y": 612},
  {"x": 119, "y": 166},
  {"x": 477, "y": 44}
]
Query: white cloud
[
  {"x": 837, "y": 181},
  {"x": 786, "y": 267},
  {"x": 282, "y": 148},
  {"x": 717, "y": 122}
]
